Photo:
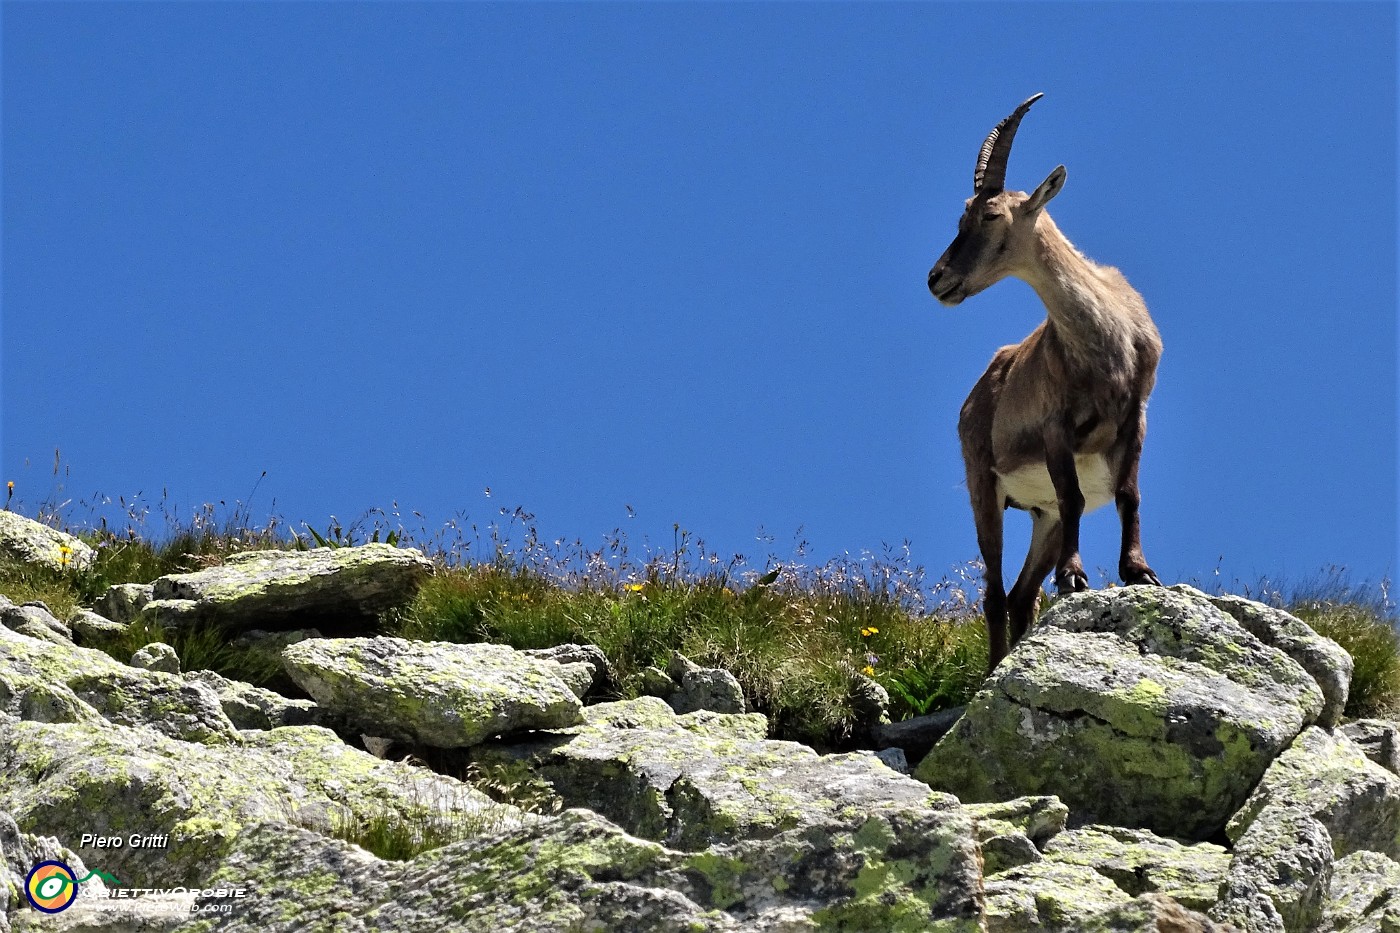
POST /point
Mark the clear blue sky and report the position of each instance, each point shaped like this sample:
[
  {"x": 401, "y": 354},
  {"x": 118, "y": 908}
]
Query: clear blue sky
[{"x": 673, "y": 256}]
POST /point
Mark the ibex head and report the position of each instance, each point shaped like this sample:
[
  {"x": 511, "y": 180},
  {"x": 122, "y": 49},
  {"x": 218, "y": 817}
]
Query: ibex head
[{"x": 997, "y": 229}]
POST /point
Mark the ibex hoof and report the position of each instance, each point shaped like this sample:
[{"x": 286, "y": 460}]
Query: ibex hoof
[
  {"x": 1073, "y": 581},
  {"x": 1143, "y": 577}
]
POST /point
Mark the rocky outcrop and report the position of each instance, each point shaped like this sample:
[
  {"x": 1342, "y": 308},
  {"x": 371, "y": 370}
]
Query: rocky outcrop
[
  {"x": 1325, "y": 661},
  {"x": 439, "y": 694},
  {"x": 189, "y": 800},
  {"x": 335, "y": 589},
  {"x": 1131, "y": 725},
  {"x": 49, "y": 682},
  {"x": 1156, "y": 694},
  {"x": 30, "y": 542},
  {"x": 1328, "y": 778}
]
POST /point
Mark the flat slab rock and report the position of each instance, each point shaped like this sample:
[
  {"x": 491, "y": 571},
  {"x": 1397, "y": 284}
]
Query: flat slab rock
[
  {"x": 292, "y": 589},
  {"x": 68, "y": 779},
  {"x": 434, "y": 693},
  {"x": 701, "y": 778},
  {"x": 45, "y": 681},
  {"x": 1137, "y": 707},
  {"x": 578, "y": 871}
]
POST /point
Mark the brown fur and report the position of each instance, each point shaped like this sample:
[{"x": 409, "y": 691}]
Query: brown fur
[{"x": 1077, "y": 385}]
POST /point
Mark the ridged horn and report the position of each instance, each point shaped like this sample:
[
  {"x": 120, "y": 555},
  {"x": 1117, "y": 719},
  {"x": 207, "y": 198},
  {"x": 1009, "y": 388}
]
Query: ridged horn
[{"x": 991, "y": 161}]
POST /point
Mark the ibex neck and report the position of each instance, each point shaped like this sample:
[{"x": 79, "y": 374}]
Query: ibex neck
[{"x": 1091, "y": 306}]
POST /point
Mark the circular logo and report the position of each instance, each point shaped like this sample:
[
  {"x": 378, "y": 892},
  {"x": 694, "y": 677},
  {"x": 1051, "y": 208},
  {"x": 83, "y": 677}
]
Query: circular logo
[{"x": 51, "y": 887}]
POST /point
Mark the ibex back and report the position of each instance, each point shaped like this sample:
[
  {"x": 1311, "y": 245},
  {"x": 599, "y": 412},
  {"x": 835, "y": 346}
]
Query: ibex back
[{"x": 1056, "y": 423}]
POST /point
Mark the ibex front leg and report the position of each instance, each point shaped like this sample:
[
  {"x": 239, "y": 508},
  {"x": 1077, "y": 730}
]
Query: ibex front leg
[
  {"x": 1059, "y": 460},
  {"x": 1132, "y": 566}
]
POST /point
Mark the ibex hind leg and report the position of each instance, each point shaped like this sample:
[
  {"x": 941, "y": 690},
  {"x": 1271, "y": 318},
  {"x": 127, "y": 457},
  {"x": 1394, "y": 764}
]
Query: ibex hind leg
[{"x": 1044, "y": 554}]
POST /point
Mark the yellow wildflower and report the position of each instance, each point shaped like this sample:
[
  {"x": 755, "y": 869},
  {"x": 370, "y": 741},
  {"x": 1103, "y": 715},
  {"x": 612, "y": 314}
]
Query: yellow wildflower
[
  {"x": 868, "y": 631},
  {"x": 868, "y": 671},
  {"x": 633, "y": 587},
  {"x": 65, "y": 553}
]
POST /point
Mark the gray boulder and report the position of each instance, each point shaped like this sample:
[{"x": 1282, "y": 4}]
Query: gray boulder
[
  {"x": 1140, "y": 863},
  {"x": 1364, "y": 895},
  {"x": 1279, "y": 875},
  {"x": 438, "y": 693},
  {"x": 47, "y": 682},
  {"x": 30, "y": 542},
  {"x": 123, "y": 602},
  {"x": 1378, "y": 739},
  {"x": 157, "y": 656},
  {"x": 703, "y": 780},
  {"x": 1326, "y": 661},
  {"x": 346, "y": 587},
  {"x": 1156, "y": 694},
  {"x": 580, "y": 872},
  {"x": 19, "y": 853},
  {"x": 1328, "y": 777},
  {"x": 35, "y": 620},
  {"x": 71, "y": 779}
]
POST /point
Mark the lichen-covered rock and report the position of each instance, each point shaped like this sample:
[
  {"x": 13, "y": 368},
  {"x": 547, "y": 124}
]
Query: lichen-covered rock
[
  {"x": 705, "y": 779},
  {"x": 436, "y": 693},
  {"x": 580, "y": 872},
  {"x": 693, "y": 687},
  {"x": 1141, "y": 863},
  {"x": 1150, "y": 913},
  {"x": 47, "y": 682},
  {"x": 30, "y": 542},
  {"x": 1326, "y": 661},
  {"x": 1047, "y": 897},
  {"x": 656, "y": 683},
  {"x": 35, "y": 620},
  {"x": 1328, "y": 777},
  {"x": 123, "y": 602},
  {"x": 1014, "y": 832},
  {"x": 250, "y": 707},
  {"x": 157, "y": 656},
  {"x": 342, "y": 587},
  {"x": 1364, "y": 895},
  {"x": 710, "y": 688},
  {"x": 1040, "y": 819},
  {"x": 605, "y": 683},
  {"x": 1157, "y": 696},
  {"x": 19, "y": 853},
  {"x": 70, "y": 779},
  {"x": 1378, "y": 739},
  {"x": 1278, "y": 876},
  {"x": 91, "y": 630}
]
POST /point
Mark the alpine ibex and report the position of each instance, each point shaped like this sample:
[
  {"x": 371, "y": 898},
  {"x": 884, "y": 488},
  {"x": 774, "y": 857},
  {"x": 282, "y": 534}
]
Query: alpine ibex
[{"x": 1055, "y": 425}]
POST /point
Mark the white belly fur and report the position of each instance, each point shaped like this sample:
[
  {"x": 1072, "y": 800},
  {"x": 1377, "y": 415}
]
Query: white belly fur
[{"x": 1031, "y": 488}]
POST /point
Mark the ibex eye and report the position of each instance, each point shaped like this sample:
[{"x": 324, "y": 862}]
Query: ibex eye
[{"x": 987, "y": 217}]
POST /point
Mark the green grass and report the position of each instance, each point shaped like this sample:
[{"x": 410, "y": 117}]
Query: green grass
[
  {"x": 392, "y": 835},
  {"x": 797, "y": 638}
]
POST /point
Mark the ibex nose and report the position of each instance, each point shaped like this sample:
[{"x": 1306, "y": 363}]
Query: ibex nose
[{"x": 934, "y": 275}]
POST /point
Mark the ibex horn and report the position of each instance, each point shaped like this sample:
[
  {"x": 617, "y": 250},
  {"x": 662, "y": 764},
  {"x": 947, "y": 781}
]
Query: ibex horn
[{"x": 991, "y": 161}]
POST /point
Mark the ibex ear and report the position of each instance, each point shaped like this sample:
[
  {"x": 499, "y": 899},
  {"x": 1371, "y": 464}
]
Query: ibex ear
[{"x": 1048, "y": 189}]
